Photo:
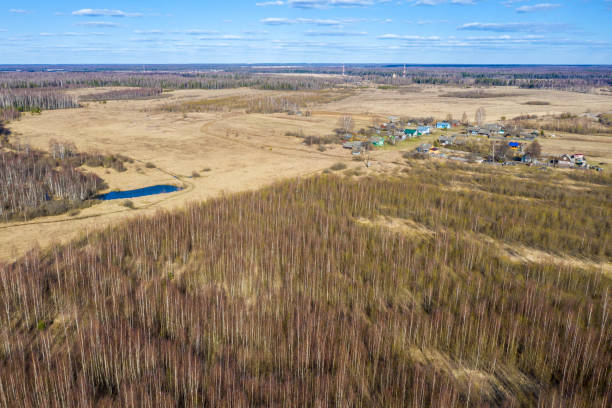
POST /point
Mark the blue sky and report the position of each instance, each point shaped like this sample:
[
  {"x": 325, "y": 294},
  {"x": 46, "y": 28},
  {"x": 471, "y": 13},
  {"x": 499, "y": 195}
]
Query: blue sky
[{"x": 311, "y": 31}]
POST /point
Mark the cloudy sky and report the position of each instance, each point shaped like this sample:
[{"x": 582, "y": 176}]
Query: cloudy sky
[{"x": 314, "y": 31}]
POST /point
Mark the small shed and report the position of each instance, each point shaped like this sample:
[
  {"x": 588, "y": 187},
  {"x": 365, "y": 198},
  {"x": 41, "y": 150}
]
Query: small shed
[
  {"x": 424, "y": 148},
  {"x": 514, "y": 145}
]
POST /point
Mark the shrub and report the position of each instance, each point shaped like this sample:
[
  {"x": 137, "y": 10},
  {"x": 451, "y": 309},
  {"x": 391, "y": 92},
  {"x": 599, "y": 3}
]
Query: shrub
[
  {"x": 338, "y": 166},
  {"x": 128, "y": 204}
]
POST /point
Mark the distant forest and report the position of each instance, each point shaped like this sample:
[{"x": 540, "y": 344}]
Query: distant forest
[{"x": 35, "y": 88}]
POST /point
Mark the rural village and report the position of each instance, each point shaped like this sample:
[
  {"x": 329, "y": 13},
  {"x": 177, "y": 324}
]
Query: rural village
[{"x": 458, "y": 140}]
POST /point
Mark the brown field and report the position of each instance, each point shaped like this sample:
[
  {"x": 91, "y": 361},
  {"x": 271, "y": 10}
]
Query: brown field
[
  {"x": 246, "y": 151},
  {"x": 428, "y": 101}
]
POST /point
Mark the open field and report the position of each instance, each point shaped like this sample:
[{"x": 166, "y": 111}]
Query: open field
[
  {"x": 427, "y": 101},
  {"x": 233, "y": 151}
]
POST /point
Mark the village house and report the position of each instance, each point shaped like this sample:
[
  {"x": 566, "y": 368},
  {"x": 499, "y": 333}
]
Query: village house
[
  {"x": 445, "y": 140},
  {"x": 514, "y": 145},
  {"x": 578, "y": 160},
  {"x": 472, "y": 130},
  {"x": 493, "y": 128},
  {"x": 565, "y": 161},
  {"x": 443, "y": 125},
  {"x": 410, "y": 132},
  {"x": 423, "y": 130}
]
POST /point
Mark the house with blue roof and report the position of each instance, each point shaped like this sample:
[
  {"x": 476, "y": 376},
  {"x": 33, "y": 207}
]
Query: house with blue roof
[{"x": 443, "y": 125}]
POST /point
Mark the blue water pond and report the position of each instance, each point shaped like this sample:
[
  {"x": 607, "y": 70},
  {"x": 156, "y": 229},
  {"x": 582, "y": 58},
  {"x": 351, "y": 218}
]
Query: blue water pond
[{"x": 139, "y": 192}]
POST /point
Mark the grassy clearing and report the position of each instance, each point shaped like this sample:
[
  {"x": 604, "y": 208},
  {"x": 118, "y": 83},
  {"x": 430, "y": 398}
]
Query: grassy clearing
[
  {"x": 283, "y": 297},
  {"x": 476, "y": 94}
]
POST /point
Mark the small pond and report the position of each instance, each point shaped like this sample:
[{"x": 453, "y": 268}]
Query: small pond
[{"x": 139, "y": 192}]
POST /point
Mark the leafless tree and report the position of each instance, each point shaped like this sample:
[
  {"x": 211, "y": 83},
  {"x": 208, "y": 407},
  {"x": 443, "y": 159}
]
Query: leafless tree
[
  {"x": 534, "y": 149},
  {"x": 346, "y": 123},
  {"x": 480, "y": 116}
]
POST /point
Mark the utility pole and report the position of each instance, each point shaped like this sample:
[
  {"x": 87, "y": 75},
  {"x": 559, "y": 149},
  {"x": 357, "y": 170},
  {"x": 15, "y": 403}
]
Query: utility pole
[
  {"x": 404, "y": 70},
  {"x": 343, "y": 71}
]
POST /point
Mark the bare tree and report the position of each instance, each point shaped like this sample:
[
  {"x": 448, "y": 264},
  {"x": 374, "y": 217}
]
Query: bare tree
[
  {"x": 346, "y": 123},
  {"x": 480, "y": 116},
  {"x": 464, "y": 119},
  {"x": 534, "y": 149}
]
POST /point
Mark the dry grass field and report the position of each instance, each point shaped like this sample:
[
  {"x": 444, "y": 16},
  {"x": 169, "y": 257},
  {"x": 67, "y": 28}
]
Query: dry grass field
[
  {"x": 230, "y": 151},
  {"x": 425, "y": 101}
]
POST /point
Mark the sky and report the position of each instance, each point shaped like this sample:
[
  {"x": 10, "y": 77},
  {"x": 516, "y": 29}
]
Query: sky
[{"x": 307, "y": 31}]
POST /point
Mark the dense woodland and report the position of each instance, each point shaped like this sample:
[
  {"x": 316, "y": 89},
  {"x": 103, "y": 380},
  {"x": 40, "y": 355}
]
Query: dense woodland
[
  {"x": 284, "y": 297},
  {"x": 35, "y": 99},
  {"x": 162, "y": 80},
  {"x": 32, "y": 184},
  {"x": 35, "y": 183}
]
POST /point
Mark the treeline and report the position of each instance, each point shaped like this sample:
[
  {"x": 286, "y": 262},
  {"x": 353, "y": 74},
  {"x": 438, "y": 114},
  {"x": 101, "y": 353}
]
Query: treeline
[
  {"x": 35, "y": 100},
  {"x": 565, "y": 122},
  {"x": 33, "y": 184},
  {"x": 122, "y": 94},
  {"x": 562, "y": 78},
  {"x": 181, "y": 80},
  {"x": 281, "y": 298}
]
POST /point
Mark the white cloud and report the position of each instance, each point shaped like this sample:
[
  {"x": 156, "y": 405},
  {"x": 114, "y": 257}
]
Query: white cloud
[
  {"x": 437, "y": 2},
  {"x": 537, "y": 7},
  {"x": 18, "y": 11},
  {"x": 71, "y": 34},
  {"x": 148, "y": 32},
  {"x": 514, "y": 27},
  {"x": 335, "y": 33},
  {"x": 269, "y": 3},
  {"x": 287, "y": 21},
  {"x": 98, "y": 24},
  {"x": 103, "y": 13},
  {"x": 310, "y": 4},
  {"x": 197, "y": 31}
]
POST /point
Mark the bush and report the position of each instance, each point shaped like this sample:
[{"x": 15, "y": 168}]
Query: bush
[
  {"x": 338, "y": 166},
  {"x": 128, "y": 204},
  {"x": 149, "y": 165}
]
